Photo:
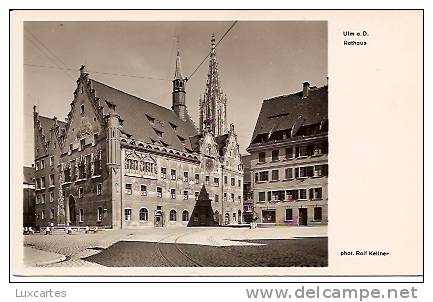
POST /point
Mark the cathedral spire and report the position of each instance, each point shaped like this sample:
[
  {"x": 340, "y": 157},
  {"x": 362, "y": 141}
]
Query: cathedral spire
[{"x": 213, "y": 111}]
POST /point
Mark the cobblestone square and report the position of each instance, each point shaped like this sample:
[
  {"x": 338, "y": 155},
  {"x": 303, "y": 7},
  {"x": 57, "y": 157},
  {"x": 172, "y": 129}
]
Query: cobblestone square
[{"x": 182, "y": 247}]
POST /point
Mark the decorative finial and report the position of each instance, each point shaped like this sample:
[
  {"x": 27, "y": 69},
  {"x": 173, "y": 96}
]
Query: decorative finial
[{"x": 83, "y": 69}]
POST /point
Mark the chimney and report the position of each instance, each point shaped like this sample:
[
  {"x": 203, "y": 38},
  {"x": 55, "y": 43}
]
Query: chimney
[{"x": 306, "y": 89}]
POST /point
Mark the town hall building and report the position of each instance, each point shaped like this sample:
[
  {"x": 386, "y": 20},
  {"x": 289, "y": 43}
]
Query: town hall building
[{"x": 120, "y": 161}]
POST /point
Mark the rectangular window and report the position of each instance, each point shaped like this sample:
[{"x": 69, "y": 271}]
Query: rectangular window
[
  {"x": 275, "y": 155},
  {"x": 305, "y": 172},
  {"x": 288, "y": 173},
  {"x": 128, "y": 214},
  {"x": 51, "y": 161},
  {"x": 289, "y": 214},
  {"x": 38, "y": 199},
  {"x": 42, "y": 164},
  {"x": 173, "y": 174},
  {"x": 291, "y": 195},
  {"x": 99, "y": 213},
  {"x": 232, "y": 181},
  {"x": 51, "y": 196},
  {"x": 239, "y": 183},
  {"x": 262, "y": 157},
  {"x": 302, "y": 194},
  {"x": 51, "y": 213},
  {"x": 225, "y": 196},
  {"x": 173, "y": 193},
  {"x": 70, "y": 148},
  {"x": 316, "y": 193},
  {"x": 185, "y": 176},
  {"x": 269, "y": 195},
  {"x": 143, "y": 190},
  {"x": 318, "y": 213},
  {"x": 197, "y": 178},
  {"x": 163, "y": 173},
  {"x": 232, "y": 196},
  {"x": 158, "y": 192},
  {"x": 216, "y": 198},
  {"x": 80, "y": 192},
  {"x": 37, "y": 166},
  {"x": 82, "y": 106},
  {"x": 128, "y": 189},
  {"x": 95, "y": 138},
  {"x": 225, "y": 180},
  {"x": 82, "y": 144},
  {"x": 289, "y": 153},
  {"x": 81, "y": 215},
  {"x": 185, "y": 195},
  {"x": 239, "y": 198},
  {"x": 99, "y": 189},
  {"x": 43, "y": 198},
  {"x": 262, "y": 196},
  {"x": 207, "y": 179},
  {"x": 216, "y": 181},
  {"x": 51, "y": 179},
  {"x": 275, "y": 175},
  {"x": 196, "y": 195},
  {"x": 43, "y": 215},
  {"x": 301, "y": 151},
  {"x": 264, "y": 176}
]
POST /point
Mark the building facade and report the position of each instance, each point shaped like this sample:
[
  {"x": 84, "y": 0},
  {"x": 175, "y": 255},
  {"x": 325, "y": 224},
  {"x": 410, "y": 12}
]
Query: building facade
[
  {"x": 289, "y": 158},
  {"x": 120, "y": 161}
]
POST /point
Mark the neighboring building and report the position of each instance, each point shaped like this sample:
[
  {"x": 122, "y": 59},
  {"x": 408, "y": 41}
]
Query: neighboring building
[
  {"x": 289, "y": 158},
  {"x": 29, "y": 197},
  {"x": 248, "y": 212},
  {"x": 120, "y": 161}
]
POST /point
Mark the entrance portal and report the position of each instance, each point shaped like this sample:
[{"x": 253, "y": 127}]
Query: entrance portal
[
  {"x": 159, "y": 219},
  {"x": 71, "y": 215},
  {"x": 303, "y": 216}
]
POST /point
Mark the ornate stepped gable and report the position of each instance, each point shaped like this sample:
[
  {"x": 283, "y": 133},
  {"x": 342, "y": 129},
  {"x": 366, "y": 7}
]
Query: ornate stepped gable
[{"x": 213, "y": 106}]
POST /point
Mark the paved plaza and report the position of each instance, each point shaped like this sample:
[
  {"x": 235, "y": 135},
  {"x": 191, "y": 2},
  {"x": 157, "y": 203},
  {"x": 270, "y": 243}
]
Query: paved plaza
[{"x": 180, "y": 246}]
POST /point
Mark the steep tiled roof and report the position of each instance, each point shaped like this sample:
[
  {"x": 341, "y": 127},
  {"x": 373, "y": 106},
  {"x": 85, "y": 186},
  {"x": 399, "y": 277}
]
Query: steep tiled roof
[
  {"x": 29, "y": 174},
  {"x": 147, "y": 121},
  {"x": 287, "y": 111}
]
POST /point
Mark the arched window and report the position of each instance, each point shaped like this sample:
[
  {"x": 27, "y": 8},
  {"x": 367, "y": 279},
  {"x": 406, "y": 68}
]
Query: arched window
[
  {"x": 99, "y": 214},
  {"x": 173, "y": 215},
  {"x": 143, "y": 214},
  {"x": 185, "y": 215}
]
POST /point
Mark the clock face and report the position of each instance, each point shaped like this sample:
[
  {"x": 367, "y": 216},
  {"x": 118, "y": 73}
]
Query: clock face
[{"x": 209, "y": 164}]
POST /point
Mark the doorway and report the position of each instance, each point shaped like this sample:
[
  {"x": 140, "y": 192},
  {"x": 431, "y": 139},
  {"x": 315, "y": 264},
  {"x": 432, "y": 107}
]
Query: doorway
[
  {"x": 159, "y": 219},
  {"x": 71, "y": 218},
  {"x": 303, "y": 216}
]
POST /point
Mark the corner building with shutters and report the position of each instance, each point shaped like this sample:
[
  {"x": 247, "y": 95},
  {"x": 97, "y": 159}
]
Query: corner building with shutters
[
  {"x": 289, "y": 159},
  {"x": 119, "y": 161}
]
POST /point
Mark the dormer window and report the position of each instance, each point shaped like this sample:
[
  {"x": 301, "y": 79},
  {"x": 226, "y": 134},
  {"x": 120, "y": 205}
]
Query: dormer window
[
  {"x": 82, "y": 109},
  {"x": 151, "y": 119},
  {"x": 159, "y": 133},
  {"x": 82, "y": 90},
  {"x": 173, "y": 126}
]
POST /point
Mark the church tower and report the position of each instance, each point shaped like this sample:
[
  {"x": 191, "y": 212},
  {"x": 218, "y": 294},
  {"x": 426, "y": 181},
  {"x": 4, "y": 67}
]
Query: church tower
[
  {"x": 178, "y": 94},
  {"x": 213, "y": 106}
]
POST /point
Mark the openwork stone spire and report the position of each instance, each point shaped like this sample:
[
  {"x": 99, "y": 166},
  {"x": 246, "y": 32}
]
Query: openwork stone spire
[{"x": 213, "y": 105}]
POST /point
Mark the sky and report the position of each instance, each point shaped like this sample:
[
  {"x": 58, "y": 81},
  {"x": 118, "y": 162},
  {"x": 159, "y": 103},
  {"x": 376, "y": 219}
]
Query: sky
[{"x": 257, "y": 60}]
